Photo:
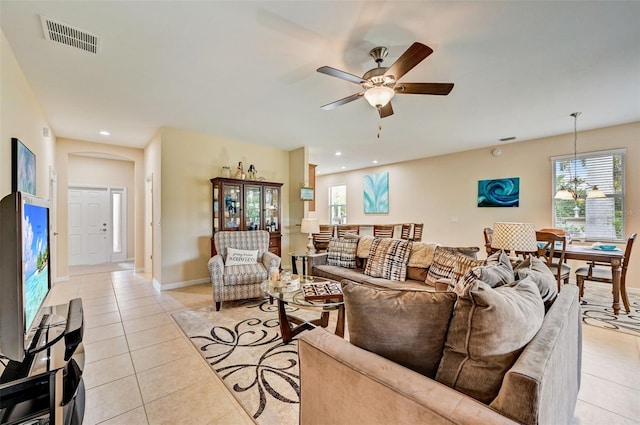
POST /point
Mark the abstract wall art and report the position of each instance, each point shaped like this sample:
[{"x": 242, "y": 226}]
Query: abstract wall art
[
  {"x": 499, "y": 192},
  {"x": 376, "y": 193},
  {"x": 23, "y": 168}
]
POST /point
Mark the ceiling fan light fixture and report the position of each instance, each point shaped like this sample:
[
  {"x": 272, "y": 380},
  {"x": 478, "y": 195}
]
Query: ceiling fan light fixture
[
  {"x": 379, "y": 96},
  {"x": 564, "y": 195}
]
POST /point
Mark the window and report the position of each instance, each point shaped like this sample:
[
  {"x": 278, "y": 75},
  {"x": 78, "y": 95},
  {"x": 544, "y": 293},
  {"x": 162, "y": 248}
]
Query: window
[
  {"x": 593, "y": 219},
  {"x": 338, "y": 204}
]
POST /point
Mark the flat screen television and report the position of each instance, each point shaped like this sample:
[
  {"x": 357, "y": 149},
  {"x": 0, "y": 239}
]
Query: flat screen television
[{"x": 25, "y": 277}]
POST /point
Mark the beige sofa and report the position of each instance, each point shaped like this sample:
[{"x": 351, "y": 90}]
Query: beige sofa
[
  {"x": 420, "y": 259},
  {"x": 344, "y": 384}
]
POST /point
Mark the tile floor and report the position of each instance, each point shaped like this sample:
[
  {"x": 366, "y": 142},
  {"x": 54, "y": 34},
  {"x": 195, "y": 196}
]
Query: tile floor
[{"x": 141, "y": 369}]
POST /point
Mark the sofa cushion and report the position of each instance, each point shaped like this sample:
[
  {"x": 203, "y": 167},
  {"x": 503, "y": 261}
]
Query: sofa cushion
[
  {"x": 422, "y": 254},
  {"x": 388, "y": 259},
  {"x": 489, "y": 329},
  {"x": 342, "y": 252},
  {"x": 467, "y": 251},
  {"x": 244, "y": 274},
  {"x": 543, "y": 277},
  {"x": 408, "y": 327},
  {"x": 364, "y": 246},
  {"x": 417, "y": 273},
  {"x": 463, "y": 265}
]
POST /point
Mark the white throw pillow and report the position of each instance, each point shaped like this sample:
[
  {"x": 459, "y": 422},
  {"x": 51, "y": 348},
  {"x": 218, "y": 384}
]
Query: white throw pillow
[{"x": 238, "y": 257}]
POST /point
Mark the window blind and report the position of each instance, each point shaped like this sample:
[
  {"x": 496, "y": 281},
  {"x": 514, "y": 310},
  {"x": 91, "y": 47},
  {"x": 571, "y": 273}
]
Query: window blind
[{"x": 594, "y": 219}]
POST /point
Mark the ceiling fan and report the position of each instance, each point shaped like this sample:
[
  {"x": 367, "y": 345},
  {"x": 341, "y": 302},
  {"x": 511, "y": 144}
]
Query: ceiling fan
[{"x": 380, "y": 84}]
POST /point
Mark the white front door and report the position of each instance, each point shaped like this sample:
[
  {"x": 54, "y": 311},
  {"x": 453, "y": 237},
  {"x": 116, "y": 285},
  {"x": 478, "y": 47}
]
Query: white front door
[{"x": 88, "y": 218}]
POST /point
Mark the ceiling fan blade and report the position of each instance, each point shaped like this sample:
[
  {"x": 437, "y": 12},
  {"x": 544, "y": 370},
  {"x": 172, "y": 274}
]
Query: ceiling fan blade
[
  {"x": 441, "y": 89},
  {"x": 334, "y": 105},
  {"x": 415, "y": 54},
  {"x": 386, "y": 110},
  {"x": 341, "y": 74}
]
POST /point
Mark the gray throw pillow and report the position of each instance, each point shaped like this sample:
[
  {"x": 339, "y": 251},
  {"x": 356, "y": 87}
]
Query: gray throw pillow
[
  {"x": 543, "y": 277},
  {"x": 408, "y": 327},
  {"x": 497, "y": 270},
  {"x": 489, "y": 329}
]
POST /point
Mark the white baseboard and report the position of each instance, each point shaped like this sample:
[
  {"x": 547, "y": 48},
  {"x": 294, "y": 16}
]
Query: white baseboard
[
  {"x": 60, "y": 279},
  {"x": 177, "y": 285}
]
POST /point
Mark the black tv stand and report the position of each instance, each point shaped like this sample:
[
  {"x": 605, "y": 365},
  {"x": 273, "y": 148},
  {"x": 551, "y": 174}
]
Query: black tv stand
[{"x": 47, "y": 387}]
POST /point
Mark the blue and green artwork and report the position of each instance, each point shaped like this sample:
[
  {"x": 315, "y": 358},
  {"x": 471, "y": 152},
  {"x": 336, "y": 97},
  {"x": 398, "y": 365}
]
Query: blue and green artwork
[
  {"x": 376, "y": 193},
  {"x": 499, "y": 192}
]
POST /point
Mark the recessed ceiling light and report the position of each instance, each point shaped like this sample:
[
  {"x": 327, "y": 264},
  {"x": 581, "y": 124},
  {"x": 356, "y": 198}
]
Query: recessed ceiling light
[
  {"x": 343, "y": 167},
  {"x": 104, "y": 133},
  {"x": 338, "y": 153},
  {"x": 375, "y": 161}
]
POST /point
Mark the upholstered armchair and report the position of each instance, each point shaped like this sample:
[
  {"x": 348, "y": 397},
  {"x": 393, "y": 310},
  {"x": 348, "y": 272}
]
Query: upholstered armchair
[{"x": 239, "y": 282}]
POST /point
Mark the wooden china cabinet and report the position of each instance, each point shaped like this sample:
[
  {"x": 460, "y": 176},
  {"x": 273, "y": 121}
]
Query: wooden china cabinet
[{"x": 247, "y": 205}]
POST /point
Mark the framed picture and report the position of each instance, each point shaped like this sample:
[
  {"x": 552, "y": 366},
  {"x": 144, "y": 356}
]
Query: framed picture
[
  {"x": 306, "y": 194},
  {"x": 376, "y": 193},
  {"x": 499, "y": 192},
  {"x": 23, "y": 168}
]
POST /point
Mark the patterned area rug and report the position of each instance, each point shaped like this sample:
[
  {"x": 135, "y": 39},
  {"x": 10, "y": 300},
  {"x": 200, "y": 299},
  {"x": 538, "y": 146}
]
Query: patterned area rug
[
  {"x": 242, "y": 343},
  {"x": 597, "y": 310}
]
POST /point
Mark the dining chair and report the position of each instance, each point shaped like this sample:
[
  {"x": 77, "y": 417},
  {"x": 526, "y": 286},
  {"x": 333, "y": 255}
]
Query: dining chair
[
  {"x": 488, "y": 237},
  {"x": 417, "y": 232},
  {"x": 406, "y": 231},
  {"x": 603, "y": 273},
  {"x": 383, "y": 230},
  {"x": 348, "y": 228},
  {"x": 560, "y": 232},
  {"x": 552, "y": 249}
]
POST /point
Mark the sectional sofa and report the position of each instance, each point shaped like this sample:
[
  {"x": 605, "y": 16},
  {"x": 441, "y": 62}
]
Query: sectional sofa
[{"x": 498, "y": 346}]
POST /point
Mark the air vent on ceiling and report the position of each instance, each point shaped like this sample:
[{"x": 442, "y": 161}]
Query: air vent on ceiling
[{"x": 65, "y": 34}]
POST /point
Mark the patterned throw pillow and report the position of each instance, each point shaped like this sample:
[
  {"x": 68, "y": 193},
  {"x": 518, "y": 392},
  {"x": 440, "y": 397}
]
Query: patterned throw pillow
[
  {"x": 342, "y": 252},
  {"x": 443, "y": 264},
  {"x": 388, "y": 259}
]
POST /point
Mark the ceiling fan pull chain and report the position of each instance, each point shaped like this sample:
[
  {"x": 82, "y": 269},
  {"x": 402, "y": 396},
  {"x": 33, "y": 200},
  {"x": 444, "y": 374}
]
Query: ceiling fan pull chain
[{"x": 379, "y": 128}]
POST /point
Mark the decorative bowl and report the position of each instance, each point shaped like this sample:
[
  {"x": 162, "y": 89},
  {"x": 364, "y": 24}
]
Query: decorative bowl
[{"x": 607, "y": 247}]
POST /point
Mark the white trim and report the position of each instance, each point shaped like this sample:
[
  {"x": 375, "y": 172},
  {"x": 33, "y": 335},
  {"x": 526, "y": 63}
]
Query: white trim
[
  {"x": 60, "y": 279},
  {"x": 581, "y": 155},
  {"x": 177, "y": 285}
]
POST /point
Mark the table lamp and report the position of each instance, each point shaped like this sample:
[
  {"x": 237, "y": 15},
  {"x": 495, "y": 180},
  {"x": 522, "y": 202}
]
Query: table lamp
[
  {"x": 310, "y": 225},
  {"x": 514, "y": 237}
]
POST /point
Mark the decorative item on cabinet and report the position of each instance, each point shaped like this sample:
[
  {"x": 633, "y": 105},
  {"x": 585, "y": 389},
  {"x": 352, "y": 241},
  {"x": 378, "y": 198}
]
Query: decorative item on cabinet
[
  {"x": 252, "y": 172},
  {"x": 225, "y": 172},
  {"x": 247, "y": 205}
]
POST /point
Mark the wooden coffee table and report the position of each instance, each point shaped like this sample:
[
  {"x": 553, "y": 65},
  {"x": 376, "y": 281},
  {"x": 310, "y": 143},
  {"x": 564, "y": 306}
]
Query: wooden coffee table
[{"x": 291, "y": 295}]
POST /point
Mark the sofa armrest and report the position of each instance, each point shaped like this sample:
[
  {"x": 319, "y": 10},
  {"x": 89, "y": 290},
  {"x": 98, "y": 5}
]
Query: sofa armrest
[
  {"x": 216, "y": 272},
  {"x": 343, "y": 384},
  {"x": 317, "y": 260},
  {"x": 269, "y": 260},
  {"x": 542, "y": 386}
]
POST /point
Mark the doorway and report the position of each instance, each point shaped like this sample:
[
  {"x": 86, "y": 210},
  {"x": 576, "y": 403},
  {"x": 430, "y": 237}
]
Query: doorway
[{"x": 97, "y": 225}]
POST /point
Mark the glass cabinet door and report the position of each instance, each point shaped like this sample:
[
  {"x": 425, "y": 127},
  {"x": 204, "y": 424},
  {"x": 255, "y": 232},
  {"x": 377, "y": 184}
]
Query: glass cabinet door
[
  {"x": 252, "y": 207},
  {"x": 271, "y": 208},
  {"x": 232, "y": 206},
  {"x": 216, "y": 208}
]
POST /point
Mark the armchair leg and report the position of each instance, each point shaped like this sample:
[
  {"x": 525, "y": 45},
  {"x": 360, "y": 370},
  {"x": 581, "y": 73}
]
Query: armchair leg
[{"x": 218, "y": 305}]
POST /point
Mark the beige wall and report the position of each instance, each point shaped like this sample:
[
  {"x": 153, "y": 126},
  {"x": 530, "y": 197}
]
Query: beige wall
[
  {"x": 66, "y": 154},
  {"x": 153, "y": 174},
  {"x": 188, "y": 161},
  {"x": 22, "y": 117},
  {"x": 442, "y": 189},
  {"x": 111, "y": 173},
  {"x": 298, "y": 171}
]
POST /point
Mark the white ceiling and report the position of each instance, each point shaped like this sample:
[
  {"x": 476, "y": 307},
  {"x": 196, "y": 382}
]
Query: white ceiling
[{"x": 246, "y": 71}]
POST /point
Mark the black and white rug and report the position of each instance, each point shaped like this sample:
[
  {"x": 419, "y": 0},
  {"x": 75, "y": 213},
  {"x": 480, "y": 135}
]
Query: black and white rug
[
  {"x": 242, "y": 343},
  {"x": 597, "y": 310}
]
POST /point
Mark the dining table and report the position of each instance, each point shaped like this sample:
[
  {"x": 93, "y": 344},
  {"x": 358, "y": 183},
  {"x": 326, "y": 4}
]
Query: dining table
[{"x": 612, "y": 257}]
